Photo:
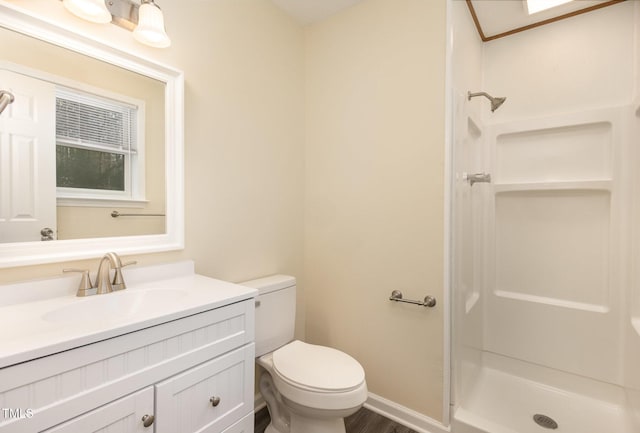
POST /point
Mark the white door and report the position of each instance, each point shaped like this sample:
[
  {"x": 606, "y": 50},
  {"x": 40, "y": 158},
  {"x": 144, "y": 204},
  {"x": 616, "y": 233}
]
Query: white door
[{"x": 27, "y": 159}]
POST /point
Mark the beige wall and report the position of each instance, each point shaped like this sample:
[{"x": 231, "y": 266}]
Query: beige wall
[
  {"x": 243, "y": 65},
  {"x": 374, "y": 193},
  {"x": 368, "y": 184}
]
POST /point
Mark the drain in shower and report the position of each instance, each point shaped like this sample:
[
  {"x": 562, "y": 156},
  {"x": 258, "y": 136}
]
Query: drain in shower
[{"x": 545, "y": 421}]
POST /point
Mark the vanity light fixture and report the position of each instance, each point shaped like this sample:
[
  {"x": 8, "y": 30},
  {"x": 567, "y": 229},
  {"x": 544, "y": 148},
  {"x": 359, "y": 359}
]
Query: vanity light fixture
[
  {"x": 150, "y": 29},
  {"x": 143, "y": 17},
  {"x": 91, "y": 10}
]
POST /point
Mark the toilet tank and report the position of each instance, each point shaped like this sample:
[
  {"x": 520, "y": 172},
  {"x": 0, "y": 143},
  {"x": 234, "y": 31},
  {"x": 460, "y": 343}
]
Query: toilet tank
[{"x": 275, "y": 311}]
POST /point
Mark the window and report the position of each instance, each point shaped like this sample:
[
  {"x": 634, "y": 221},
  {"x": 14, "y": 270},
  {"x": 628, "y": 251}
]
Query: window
[
  {"x": 535, "y": 6},
  {"x": 98, "y": 148}
]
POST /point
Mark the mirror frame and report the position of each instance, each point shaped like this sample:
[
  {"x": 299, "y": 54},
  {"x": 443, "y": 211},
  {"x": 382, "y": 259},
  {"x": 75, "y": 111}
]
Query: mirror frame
[{"x": 32, "y": 253}]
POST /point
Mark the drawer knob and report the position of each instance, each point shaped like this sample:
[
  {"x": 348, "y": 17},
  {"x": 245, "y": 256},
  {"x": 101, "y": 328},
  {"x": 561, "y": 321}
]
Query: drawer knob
[
  {"x": 147, "y": 420},
  {"x": 214, "y": 401}
]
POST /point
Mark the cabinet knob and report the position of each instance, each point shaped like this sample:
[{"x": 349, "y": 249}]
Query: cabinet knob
[
  {"x": 214, "y": 401},
  {"x": 147, "y": 420}
]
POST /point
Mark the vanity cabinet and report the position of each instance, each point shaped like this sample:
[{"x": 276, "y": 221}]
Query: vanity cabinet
[{"x": 192, "y": 374}]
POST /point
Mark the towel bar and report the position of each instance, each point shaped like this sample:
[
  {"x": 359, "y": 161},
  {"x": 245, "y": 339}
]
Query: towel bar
[
  {"x": 429, "y": 301},
  {"x": 116, "y": 214}
]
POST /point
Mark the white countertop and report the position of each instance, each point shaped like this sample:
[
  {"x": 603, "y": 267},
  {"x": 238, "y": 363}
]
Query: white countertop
[{"x": 43, "y": 317}]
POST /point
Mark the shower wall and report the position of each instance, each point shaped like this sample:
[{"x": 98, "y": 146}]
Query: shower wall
[
  {"x": 632, "y": 329},
  {"x": 545, "y": 255},
  {"x": 468, "y": 156},
  {"x": 560, "y": 154}
]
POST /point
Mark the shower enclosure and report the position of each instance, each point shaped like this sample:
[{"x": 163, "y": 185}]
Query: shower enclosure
[{"x": 546, "y": 217}]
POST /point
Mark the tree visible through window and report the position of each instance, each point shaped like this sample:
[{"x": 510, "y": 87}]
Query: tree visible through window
[{"x": 90, "y": 169}]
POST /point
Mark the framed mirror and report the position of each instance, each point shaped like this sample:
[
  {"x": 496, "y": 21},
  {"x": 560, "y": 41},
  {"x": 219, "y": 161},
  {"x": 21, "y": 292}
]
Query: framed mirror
[{"x": 71, "y": 187}]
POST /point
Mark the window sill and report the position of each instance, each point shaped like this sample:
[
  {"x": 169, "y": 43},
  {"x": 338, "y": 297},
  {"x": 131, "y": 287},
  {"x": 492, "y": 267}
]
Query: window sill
[{"x": 100, "y": 202}]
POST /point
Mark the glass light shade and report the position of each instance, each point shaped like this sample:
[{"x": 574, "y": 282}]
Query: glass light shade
[
  {"x": 150, "y": 29},
  {"x": 91, "y": 10}
]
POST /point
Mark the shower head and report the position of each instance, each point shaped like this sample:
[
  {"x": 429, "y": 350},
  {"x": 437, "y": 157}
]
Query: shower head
[
  {"x": 6, "y": 98},
  {"x": 495, "y": 102}
]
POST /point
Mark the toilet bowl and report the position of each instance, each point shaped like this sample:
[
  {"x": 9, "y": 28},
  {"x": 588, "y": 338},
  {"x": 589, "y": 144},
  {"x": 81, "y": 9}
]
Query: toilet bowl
[{"x": 307, "y": 388}]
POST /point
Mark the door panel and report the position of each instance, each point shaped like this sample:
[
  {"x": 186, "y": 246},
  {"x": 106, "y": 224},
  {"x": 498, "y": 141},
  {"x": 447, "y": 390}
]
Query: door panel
[{"x": 27, "y": 159}]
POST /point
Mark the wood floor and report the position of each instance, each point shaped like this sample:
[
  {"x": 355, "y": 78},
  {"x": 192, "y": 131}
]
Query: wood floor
[{"x": 363, "y": 421}]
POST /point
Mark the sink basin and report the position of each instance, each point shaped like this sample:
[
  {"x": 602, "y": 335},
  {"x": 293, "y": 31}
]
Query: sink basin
[
  {"x": 43, "y": 317},
  {"x": 115, "y": 306}
]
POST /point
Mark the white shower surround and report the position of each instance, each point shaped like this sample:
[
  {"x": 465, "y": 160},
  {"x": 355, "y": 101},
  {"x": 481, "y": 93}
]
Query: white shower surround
[{"x": 521, "y": 347}]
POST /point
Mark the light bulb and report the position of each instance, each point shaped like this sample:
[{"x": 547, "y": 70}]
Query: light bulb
[{"x": 91, "y": 10}]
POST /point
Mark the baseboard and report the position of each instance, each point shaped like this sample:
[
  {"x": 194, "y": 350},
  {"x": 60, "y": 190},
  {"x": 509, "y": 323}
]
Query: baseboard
[{"x": 405, "y": 416}]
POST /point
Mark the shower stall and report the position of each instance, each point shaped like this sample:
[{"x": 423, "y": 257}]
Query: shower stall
[{"x": 546, "y": 226}]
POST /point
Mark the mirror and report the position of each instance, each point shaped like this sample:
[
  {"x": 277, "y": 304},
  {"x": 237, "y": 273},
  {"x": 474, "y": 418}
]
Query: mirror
[
  {"x": 61, "y": 68},
  {"x": 39, "y": 75}
]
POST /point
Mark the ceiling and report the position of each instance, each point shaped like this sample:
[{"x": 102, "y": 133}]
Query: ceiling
[
  {"x": 494, "y": 18},
  {"x": 310, "y": 11},
  {"x": 497, "y": 18}
]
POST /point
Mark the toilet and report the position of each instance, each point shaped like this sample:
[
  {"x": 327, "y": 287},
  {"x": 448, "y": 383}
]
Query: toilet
[{"x": 307, "y": 388}]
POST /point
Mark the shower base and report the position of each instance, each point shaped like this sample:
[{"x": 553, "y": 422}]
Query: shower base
[{"x": 507, "y": 394}]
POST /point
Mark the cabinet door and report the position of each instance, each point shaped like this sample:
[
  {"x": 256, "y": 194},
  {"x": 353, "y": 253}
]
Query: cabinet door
[
  {"x": 245, "y": 425},
  {"x": 122, "y": 416},
  {"x": 208, "y": 398}
]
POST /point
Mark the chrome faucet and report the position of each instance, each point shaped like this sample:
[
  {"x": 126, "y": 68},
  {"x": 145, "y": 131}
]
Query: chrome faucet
[{"x": 104, "y": 283}]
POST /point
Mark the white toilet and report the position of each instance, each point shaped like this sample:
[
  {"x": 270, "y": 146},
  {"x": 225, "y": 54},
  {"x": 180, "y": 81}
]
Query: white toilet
[{"x": 308, "y": 388}]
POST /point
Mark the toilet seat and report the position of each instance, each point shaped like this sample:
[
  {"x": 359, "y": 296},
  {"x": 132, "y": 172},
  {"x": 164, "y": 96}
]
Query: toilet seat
[
  {"x": 318, "y": 377},
  {"x": 317, "y": 368}
]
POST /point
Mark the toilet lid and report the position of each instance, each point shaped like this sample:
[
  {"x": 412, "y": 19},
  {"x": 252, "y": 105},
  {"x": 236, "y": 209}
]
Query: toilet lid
[{"x": 317, "y": 367}]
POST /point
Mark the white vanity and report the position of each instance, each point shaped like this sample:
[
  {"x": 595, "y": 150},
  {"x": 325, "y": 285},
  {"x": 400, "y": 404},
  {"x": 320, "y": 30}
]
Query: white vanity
[{"x": 174, "y": 351}]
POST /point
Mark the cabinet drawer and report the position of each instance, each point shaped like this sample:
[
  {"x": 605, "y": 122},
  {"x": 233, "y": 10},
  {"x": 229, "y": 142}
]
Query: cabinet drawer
[
  {"x": 121, "y": 416},
  {"x": 245, "y": 425},
  {"x": 184, "y": 402}
]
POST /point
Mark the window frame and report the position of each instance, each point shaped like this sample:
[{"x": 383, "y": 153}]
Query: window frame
[{"x": 134, "y": 193}]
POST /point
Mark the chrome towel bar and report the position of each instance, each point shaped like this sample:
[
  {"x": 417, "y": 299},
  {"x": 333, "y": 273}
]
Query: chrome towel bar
[
  {"x": 116, "y": 214},
  {"x": 429, "y": 301}
]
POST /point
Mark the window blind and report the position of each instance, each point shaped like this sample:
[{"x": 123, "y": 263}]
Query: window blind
[{"x": 93, "y": 121}]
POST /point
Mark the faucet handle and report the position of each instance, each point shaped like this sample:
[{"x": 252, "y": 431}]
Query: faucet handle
[
  {"x": 118, "y": 280},
  {"x": 85, "y": 288}
]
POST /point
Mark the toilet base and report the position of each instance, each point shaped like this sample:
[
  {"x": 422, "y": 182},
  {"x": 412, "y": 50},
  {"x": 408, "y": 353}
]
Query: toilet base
[
  {"x": 271, "y": 429},
  {"x": 300, "y": 424},
  {"x": 290, "y": 417}
]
